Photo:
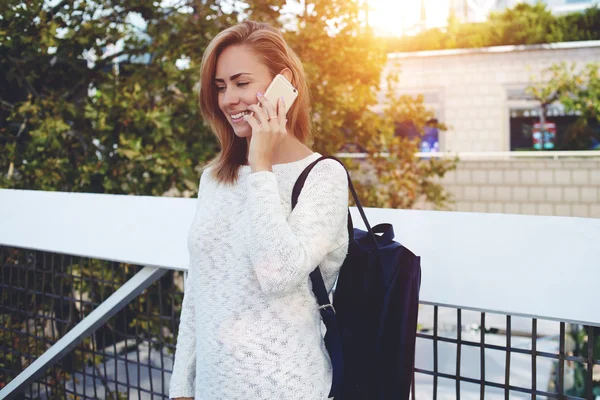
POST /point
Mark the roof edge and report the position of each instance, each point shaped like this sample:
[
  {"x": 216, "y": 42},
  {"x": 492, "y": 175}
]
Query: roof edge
[{"x": 495, "y": 49}]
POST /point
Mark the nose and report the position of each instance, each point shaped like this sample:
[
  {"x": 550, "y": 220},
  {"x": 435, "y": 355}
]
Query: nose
[{"x": 230, "y": 98}]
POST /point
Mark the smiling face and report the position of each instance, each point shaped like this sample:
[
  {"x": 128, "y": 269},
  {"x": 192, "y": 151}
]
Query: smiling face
[{"x": 239, "y": 76}]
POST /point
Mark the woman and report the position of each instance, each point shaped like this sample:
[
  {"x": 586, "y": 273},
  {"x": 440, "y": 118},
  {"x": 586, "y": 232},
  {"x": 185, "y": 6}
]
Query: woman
[{"x": 250, "y": 326}]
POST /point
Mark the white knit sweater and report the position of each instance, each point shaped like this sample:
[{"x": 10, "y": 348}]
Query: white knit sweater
[{"x": 250, "y": 326}]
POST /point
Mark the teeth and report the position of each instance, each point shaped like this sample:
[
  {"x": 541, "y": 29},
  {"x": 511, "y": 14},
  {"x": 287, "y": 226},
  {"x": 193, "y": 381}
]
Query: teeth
[{"x": 240, "y": 115}]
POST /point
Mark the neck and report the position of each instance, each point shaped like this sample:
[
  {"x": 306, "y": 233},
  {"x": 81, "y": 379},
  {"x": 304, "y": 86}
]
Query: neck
[{"x": 281, "y": 153}]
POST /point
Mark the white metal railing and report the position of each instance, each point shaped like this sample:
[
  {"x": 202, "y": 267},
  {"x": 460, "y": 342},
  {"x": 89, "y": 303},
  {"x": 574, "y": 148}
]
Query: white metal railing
[
  {"x": 492, "y": 155},
  {"x": 488, "y": 262},
  {"x": 519, "y": 265}
]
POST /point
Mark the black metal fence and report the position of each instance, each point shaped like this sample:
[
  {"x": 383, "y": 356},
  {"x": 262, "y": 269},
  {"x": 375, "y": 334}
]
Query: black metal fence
[
  {"x": 570, "y": 354},
  {"x": 44, "y": 295}
]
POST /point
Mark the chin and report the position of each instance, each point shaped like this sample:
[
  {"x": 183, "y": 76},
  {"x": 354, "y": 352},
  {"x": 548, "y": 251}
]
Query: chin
[{"x": 243, "y": 132}]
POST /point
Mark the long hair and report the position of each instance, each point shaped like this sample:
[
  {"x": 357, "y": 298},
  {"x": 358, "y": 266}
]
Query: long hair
[{"x": 272, "y": 50}]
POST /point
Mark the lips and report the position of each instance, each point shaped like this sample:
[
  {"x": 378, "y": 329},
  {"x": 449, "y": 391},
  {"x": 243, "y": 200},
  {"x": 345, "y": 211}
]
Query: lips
[{"x": 239, "y": 117}]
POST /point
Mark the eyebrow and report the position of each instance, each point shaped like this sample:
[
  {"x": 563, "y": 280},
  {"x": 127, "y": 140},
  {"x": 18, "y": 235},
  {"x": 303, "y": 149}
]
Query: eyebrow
[{"x": 233, "y": 77}]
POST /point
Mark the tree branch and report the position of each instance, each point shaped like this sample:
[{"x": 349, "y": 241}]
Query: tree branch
[
  {"x": 102, "y": 62},
  {"x": 54, "y": 10},
  {"x": 6, "y": 104},
  {"x": 550, "y": 100},
  {"x": 73, "y": 89},
  {"x": 20, "y": 72},
  {"x": 79, "y": 136},
  {"x": 21, "y": 128}
]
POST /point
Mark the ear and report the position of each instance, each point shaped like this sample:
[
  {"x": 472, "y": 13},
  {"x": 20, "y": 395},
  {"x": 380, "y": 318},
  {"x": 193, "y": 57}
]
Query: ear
[{"x": 287, "y": 74}]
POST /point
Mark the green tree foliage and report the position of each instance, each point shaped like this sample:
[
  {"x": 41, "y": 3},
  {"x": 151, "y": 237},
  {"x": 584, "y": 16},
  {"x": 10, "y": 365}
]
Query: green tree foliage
[
  {"x": 139, "y": 131},
  {"x": 522, "y": 24},
  {"x": 578, "y": 89},
  {"x": 554, "y": 83},
  {"x": 580, "y": 26},
  {"x": 133, "y": 127},
  {"x": 404, "y": 179},
  {"x": 584, "y": 97}
]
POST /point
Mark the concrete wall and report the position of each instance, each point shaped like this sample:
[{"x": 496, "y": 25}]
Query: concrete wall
[
  {"x": 536, "y": 187},
  {"x": 472, "y": 90}
]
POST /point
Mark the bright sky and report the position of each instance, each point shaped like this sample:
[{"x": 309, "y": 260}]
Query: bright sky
[
  {"x": 386, "y": 17},
  {"x": 392, "y": 17}
]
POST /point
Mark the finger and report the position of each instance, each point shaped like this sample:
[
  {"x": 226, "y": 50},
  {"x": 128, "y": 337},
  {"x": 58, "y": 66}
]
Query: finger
[
  {"x": 273, "y": 118},
  {"x": 252, "y": 122},
  {"x": 259, "y": 114},
  {"x": 281, "y": 117},
  {"x": 270, "y": 108}
]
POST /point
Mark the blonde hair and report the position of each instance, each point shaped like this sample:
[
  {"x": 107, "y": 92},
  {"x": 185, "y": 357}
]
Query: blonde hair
[{"x": 271, "y": 48}]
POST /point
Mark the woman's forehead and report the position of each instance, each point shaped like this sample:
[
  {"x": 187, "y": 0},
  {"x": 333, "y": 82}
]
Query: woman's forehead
[{"x": 235, "y": 60}]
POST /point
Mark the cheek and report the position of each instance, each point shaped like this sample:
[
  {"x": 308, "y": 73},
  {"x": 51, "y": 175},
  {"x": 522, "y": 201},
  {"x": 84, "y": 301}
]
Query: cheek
[
  {"x": 220, "y": 102},
  {"x": 249, "y": 97}
]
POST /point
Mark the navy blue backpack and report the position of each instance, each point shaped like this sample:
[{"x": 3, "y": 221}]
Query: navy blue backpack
[{"x": 372, "y": 324}]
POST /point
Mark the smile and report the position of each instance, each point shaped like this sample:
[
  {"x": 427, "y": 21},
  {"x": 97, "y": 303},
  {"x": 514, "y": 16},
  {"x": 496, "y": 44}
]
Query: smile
[{"x": 238, "y": 117}]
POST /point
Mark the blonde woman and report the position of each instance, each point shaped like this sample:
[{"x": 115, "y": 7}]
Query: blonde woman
[{"x": 250, "y": 326}]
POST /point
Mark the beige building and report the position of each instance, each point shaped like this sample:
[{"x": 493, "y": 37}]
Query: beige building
[
  {"x": 480, "y": 95},
  {"x": 478, "y": 91}
]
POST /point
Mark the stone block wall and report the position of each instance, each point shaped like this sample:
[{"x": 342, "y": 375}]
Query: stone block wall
[{"x": 535, "y": 187}]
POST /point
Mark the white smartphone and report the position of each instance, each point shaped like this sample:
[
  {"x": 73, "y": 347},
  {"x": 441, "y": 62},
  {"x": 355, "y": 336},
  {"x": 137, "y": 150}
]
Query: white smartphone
[{"x": 281, "y": 87}]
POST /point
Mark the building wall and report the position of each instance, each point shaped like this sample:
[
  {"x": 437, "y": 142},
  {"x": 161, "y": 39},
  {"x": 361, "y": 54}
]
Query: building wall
[
  {"x": 472, "y": 90},
  {"x": 535, "y": 187}
]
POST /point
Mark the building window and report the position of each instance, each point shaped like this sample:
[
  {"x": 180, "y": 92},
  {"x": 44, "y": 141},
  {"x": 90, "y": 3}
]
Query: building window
[{"x": 563, "y": 131}]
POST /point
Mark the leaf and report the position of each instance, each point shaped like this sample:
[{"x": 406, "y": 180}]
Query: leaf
[{"x": 130, "y": 154}]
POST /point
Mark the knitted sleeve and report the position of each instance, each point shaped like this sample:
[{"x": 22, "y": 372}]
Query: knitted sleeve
[{"x": 284, "y": 251}]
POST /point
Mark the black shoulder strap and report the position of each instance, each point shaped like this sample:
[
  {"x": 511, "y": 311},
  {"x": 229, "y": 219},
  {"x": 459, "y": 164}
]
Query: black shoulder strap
[
  {"x": 332, "y": 338},
  {"x": 300, "y": 184}
]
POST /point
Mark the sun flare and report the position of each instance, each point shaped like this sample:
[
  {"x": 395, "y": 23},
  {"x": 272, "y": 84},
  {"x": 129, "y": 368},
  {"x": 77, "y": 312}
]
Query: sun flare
[{"x": 398, "y": 17}]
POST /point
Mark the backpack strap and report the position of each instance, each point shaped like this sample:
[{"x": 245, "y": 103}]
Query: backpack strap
[
  {"x": 332, "y": 339},
  {"x": 300, "y": 184}
]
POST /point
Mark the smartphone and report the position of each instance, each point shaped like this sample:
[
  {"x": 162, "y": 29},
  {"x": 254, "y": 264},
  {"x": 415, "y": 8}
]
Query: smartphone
[{"x": 281, "y": 87}]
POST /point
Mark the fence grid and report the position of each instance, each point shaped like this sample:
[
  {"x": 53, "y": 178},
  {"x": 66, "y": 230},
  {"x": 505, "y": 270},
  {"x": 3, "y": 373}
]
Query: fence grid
[
  {"x": 44, "y": 295},
  {"x": 575, "y": 356}
]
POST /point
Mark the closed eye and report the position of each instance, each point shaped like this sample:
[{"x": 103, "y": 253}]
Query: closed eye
[{"x": 221, "y": 89}]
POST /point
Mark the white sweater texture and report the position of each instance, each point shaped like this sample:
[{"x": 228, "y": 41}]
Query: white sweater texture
[{"x": 250, "y": 326}]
